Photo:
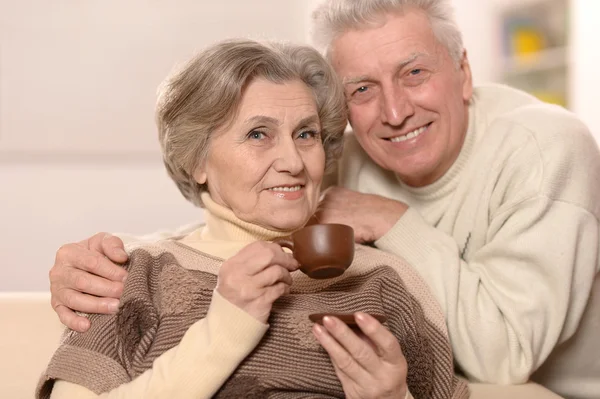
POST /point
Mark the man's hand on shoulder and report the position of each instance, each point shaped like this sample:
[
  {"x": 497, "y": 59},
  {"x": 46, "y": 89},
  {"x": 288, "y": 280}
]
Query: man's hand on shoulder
[
  {"x": 371, "y": 216},
  {"x": 85, "y": 279}
]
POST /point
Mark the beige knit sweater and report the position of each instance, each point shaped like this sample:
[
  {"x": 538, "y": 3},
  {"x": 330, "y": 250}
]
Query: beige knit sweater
[{"x": 170, "y": 298}]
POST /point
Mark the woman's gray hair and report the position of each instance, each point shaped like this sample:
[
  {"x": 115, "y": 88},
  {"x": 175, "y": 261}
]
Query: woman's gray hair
[
  {"x": 205, "y": 95},
  {"x": 334, "y": 17}
]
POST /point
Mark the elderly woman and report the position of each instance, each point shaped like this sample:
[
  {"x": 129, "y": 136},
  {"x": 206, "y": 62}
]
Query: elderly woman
[{"x": 247, "y": 131}]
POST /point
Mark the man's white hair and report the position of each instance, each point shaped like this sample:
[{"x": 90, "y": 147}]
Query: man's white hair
[{"x": 334, "y": 17}]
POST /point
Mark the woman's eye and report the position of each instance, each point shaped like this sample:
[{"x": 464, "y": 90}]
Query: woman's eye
[
  {"x": 256, "y": 135},
  {"x": 308, "y": 134}
]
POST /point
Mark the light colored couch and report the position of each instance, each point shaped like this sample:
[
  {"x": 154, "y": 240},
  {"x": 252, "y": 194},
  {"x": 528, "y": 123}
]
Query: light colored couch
[{"x": 31, "y": 332}]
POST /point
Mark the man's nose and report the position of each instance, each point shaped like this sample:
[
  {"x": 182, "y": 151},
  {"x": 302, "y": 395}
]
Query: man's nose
[{"x": 396, "y": 106}]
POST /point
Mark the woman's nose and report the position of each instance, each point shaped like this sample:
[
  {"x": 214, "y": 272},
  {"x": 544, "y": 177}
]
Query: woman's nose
[{"x": 288, "y": 158}]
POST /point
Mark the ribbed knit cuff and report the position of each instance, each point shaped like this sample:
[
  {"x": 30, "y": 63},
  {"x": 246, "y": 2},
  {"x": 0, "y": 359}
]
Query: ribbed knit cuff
[{"x": 233, "y": 323}]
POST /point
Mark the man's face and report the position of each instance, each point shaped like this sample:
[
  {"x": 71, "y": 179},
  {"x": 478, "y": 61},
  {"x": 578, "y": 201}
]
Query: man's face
[{"x": 407, "y": 98}]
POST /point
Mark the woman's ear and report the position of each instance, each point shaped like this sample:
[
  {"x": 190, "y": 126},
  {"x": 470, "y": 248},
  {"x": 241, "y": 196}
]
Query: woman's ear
[{"x": 200, "y": 174}]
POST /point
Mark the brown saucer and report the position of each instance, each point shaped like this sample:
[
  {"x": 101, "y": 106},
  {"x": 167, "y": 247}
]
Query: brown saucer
[{"x": 347, "y": 318}]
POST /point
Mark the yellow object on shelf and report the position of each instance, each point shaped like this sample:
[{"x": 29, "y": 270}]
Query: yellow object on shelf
[{"x": 527, "y": 41}]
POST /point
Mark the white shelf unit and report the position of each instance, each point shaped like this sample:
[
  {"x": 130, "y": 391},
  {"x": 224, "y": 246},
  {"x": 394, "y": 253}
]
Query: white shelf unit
[
  {"x": 541, "y": 65},
  {"x": 541, "y": 61}
]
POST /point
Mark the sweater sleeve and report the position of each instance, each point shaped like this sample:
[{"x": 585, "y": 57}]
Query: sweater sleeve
[
  {"x": 507, "y": 307},
  {"x": 181, "y": 231},
  {"x": 525, "y": 286},
  {"x": 207, "y": 355}
]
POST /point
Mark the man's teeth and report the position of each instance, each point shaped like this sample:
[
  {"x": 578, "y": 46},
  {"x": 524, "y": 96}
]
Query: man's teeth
[
  {"x": 295, "y": 188},
  {"x": 408, "y": 136}
]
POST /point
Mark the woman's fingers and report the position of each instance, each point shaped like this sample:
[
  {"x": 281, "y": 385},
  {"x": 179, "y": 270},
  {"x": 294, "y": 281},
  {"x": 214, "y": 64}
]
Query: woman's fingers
[
  {"x": 359, "y": 362},
  {"x": 272, "y": 275},
  {"x": 275, "y": 291},
  {"x": 387, "y": 347},
  {"x": 350, "y": 354},
  {"x": 256, "y": 277},
  {"x": 258, "y": 256},
  {"x": 357, "y": 347}
]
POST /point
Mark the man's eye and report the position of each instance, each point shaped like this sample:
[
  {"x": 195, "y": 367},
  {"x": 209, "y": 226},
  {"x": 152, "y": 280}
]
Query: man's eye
[
  {"x": 361, "y": 89},
  {"x": 415, "y": 72},
  {"x": 256, "y": 135}
]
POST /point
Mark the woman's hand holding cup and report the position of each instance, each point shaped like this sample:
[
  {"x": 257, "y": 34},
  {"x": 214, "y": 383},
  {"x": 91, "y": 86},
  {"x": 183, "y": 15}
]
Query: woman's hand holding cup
[{"x": 256, "y": 277}]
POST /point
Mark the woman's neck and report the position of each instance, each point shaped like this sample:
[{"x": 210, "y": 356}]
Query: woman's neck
[{"x": 223, "y": 224}]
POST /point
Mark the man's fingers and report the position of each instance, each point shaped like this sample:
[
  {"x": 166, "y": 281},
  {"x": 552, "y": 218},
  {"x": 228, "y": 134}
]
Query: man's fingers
[
  {"x": 334, "y": 194},
  {"x": 90, "y": 284},
  {"x": 325, "y": 192},
  {"x": 86, "y": 303},
  {"x": 110, "y": 246},
  {"x": 82, "y": 258},
  {"x": 113, "y": 248},
  {"x": 72, "y": 320}
]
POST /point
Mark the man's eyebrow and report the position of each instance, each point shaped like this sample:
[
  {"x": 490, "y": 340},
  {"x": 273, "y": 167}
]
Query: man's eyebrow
[
  {"x": 358, "y": 79},
  {"x": 365, "y": 78},
  {"x": 409, "y": 60}
]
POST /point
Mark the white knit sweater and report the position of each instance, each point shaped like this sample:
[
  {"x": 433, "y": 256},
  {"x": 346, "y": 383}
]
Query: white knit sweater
[{"x": 508, "y": 240}]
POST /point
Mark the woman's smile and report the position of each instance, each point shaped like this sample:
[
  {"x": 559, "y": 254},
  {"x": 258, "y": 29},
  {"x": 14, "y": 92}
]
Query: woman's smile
[{"x": 288, "y": 192}]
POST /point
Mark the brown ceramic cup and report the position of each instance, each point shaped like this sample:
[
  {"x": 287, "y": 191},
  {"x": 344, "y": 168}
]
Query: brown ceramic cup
[{"x": 323, "y": 250}]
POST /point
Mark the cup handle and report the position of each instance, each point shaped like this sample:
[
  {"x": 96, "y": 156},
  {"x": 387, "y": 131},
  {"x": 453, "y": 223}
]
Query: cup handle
[{"x": 285, "y": 242}]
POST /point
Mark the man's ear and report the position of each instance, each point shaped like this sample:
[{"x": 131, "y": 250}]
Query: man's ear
[{"x": 467, "y": 84}]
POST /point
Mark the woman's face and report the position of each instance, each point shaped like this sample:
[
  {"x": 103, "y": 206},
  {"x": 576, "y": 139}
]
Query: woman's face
[{"x": 268, "y": 164}]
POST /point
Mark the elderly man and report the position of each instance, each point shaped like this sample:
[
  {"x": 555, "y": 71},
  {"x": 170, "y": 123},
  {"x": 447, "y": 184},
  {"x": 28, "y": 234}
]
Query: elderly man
[{"x": 490, "y": 194}]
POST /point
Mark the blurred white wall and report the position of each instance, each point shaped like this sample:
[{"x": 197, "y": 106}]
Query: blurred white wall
[
  {"x": 476, "y": 20},
  {"x": 78, "y": 147},
  {"x": 585, "y": 62}
]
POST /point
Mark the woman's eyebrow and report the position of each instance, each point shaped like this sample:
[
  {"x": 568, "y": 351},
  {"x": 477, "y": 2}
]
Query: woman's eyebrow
[
  {"x": 262, "y": 119},
  {"x": 309, "y": 120}
]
